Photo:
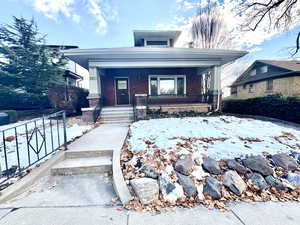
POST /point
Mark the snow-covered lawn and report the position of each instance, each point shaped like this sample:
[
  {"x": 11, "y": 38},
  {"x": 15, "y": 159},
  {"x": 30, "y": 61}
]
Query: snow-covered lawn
[
  {"x": 218, "y": 137},
  {"x": 75, "y": 128}
]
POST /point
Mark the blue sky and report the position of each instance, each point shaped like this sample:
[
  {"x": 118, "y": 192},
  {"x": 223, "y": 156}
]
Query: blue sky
[
  {"x": 73, "y": 22},
  {"x": 109, "y": 23}
]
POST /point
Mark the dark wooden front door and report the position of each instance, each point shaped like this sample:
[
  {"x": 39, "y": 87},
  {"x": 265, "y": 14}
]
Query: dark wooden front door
[{"x": 122, "y": 92}]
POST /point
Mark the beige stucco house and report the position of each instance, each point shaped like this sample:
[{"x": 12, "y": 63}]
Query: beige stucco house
[{"x": 266, "y": 77}]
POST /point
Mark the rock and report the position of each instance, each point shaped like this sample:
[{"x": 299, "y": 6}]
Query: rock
[
  {"x": 170, "y": 191},
  {"x": 184, "y": 166},
  {"x": 257, "y": 180},
  {"x": 258, "y": 164},
  {"x": 187, "y": 184},
  {"x": 211, "y": 166},
  {"x": 234, "y": 182},
  {"x": 200, "y": 192},
  {"x": 284, "y": 161},
  {"x": 212, "y": 187},
  {"x": 294, "y": 178},
  {"x": 149, "y": 171},
  {"x": 296, "y": 156},
  {"x": 275, "y": 182},
  {"x": 235, "y": 165},
  {"x": 166, "y": 186},
  {"x": 146, "y": 189}
]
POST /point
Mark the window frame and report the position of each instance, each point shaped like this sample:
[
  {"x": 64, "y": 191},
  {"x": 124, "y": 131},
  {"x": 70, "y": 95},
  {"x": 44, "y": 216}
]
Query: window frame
[
  {"x": 156, "y": 39},
  {"x": 251, "y": 88},
  {"x": 175, "y": 77},
  {"x": 262, "y": 67},
  {"x": 267, "y": 85}
]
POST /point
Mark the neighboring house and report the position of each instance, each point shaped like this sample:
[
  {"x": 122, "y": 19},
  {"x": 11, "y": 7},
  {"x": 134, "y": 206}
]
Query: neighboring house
[
  {"x": 71, "y": 77},
  {"x": 156, "y": 70},
  {"x": 266, "y": 77}
]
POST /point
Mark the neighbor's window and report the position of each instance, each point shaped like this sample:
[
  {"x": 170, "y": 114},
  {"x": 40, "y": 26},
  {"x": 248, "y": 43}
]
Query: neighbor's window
[
  {"x": 157, "y": 42},
  {"x": 233, "y": 91},
  {"x": 253, "y": 72},
  {"x": 167, "y": 85},
  {"x": 251, "y": 88},
  {"x": 264, "y": 69},
  {"x": 269, "y": 85}
]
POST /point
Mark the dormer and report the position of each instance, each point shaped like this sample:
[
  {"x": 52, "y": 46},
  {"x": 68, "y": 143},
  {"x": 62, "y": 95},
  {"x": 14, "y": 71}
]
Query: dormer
[{"x": 155, "y": 38}]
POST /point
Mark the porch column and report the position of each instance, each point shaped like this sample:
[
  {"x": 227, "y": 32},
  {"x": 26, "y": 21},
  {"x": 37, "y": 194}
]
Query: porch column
[
  {"x": 95, "y": 87},
  {"x": 215, "y": 87}
]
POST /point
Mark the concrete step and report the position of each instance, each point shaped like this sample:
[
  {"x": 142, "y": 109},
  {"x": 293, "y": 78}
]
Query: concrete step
[
  {"x": 110, "y": 117},
  {"x": 116, "y": 113},
  {"x": 83, "y": 166},
  {"x": 116, "y": 121},
  {"x": 75, "y": 154},
  {"x": 117, "y": 109}
]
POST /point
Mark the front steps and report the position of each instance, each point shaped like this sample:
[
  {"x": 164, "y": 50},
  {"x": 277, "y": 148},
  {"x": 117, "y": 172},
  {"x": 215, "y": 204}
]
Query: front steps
[
  {"x": 84, "y": 162},
  {"x": 117, "y": 115}
]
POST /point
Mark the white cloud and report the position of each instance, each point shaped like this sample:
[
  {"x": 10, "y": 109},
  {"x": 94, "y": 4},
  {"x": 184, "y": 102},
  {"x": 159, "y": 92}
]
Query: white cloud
[
  {"x": 101, "y": 10},
  {"x": 255, "y": 49},
  {"x": 53, "y": 8}
]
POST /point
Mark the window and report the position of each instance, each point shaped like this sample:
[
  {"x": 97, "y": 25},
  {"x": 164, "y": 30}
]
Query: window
[
  {"x": 233, "y": 91},
  {"x": 269, "y": 86},
  {"x": 167, "y": 85},
  {"x": 244, "y": 86},
  {"x": 253, "y": 72},
  {"x": 251, "y": 88},
  {"x": 157, "y": 42},
  {"x": 263, "y": 69}
]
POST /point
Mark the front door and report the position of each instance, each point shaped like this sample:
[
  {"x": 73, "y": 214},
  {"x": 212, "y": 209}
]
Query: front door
[{"x": 122, "y": 92}]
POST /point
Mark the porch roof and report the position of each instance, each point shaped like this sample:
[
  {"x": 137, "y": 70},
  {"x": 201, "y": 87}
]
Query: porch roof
[{"x": 137, "y": 57}]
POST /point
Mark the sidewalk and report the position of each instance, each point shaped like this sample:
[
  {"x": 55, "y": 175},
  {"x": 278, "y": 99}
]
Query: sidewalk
[{"x": 240, "y": 214}]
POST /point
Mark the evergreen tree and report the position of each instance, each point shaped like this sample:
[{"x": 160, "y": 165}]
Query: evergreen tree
[{"x": 28, "y": 66}]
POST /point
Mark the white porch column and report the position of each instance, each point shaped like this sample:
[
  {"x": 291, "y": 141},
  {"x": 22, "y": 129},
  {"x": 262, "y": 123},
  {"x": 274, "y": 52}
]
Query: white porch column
[
  {"x": 215, "y": 86},
  {"x": 95, "y": 87}
]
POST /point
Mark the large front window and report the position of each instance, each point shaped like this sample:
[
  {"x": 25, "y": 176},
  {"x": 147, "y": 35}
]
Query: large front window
[{"x": 167, "y": 85}]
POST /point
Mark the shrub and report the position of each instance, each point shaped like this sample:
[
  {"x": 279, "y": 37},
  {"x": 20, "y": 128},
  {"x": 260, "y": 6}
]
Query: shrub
[
  {"x": 22, "y": 101},
  {"x": 12, "y": 114},
  {"x": 68, "y": 98},
  {"x": 276, "y": 106}
]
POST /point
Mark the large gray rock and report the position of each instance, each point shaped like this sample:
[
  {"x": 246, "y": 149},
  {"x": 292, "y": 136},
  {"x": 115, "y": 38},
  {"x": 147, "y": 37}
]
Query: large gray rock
[
  {"x": 184, "y": 166},
  {"x": 149, "y": 171},
  {"x": 146, "y": 189},
  {"x": 211, "y": 166},
  {"x": 234, "y": 182},
  {"x": 275, "y": 182},
  {"x": 234, "y": 165},
  {"x": 294, "y": 178},
  {"x": 257, "y": 180},
  {"x": 284, "y": 161},
  {"x": 258, "y": 164},
  {"x": 187, "y": 184},
  {"x": 212, "y": 187}
]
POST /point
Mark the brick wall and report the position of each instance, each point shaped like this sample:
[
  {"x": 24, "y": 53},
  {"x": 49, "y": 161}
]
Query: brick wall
[
  {"x": 138, "y": 81},
  {"x": 288, "y": 86}
]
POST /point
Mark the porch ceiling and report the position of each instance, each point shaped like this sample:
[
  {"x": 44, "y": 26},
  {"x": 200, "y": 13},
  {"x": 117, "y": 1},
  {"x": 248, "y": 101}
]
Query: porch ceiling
[{"x": 138, "y": 57}]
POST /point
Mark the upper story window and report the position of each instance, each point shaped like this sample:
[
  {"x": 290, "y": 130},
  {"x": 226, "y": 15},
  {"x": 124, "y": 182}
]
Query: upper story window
[
  {"x": 158, "y": 43},
  {"x": 253, "y": 72},
  {"x": 263, "y": 69}
]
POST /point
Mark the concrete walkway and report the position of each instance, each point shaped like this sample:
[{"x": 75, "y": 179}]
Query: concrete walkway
[{"x": 240, "y": 214}]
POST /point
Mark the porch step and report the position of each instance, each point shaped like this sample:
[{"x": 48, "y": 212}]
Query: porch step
[
  {"x": 117, "y": 115},
  {"x": 78, "y": 166},
  {"x": 75, "y": 154}
]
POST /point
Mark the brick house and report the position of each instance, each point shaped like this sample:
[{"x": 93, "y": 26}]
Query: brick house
[
  {"x": 154, "y": 73},
  {"x": 266, "y": 77}
]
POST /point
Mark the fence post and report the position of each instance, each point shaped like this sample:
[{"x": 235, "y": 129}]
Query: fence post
[{"x": 65, "y": 130}]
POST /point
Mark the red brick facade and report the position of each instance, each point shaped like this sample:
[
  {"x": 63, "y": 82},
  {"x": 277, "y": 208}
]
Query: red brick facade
[{"x": 138, "y": 81}]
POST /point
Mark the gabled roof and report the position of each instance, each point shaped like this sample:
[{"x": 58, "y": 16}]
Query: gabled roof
[{"x": 287, "y": 68}]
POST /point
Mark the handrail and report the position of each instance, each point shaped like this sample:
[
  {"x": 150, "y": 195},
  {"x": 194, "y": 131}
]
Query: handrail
[{"x": 28, "y": 143}]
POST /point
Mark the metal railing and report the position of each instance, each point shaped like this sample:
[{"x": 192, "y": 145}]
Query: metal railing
[{"x": 24, "y": 145}]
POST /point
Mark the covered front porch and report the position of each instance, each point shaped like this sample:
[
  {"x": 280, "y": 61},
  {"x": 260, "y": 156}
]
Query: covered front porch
[{"x": 155, "y": 87}]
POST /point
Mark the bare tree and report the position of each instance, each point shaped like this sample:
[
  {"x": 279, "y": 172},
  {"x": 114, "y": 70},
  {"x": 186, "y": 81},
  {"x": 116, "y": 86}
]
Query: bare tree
[
  {"x": 279, "y": 14},
  {"x": 208, "y": 28}
]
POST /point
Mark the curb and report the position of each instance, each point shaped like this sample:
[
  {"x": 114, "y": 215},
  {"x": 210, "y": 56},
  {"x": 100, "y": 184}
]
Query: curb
[
  {"x": 20, "y": 186},
  {"x": 119, "y": 183}
]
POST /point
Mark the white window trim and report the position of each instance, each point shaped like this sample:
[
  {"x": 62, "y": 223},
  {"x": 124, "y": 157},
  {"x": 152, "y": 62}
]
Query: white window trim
[{"x": 166, "y": 76}]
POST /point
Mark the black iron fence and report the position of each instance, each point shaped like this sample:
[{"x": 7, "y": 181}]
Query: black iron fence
[{"x": 26, "y": 144}]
